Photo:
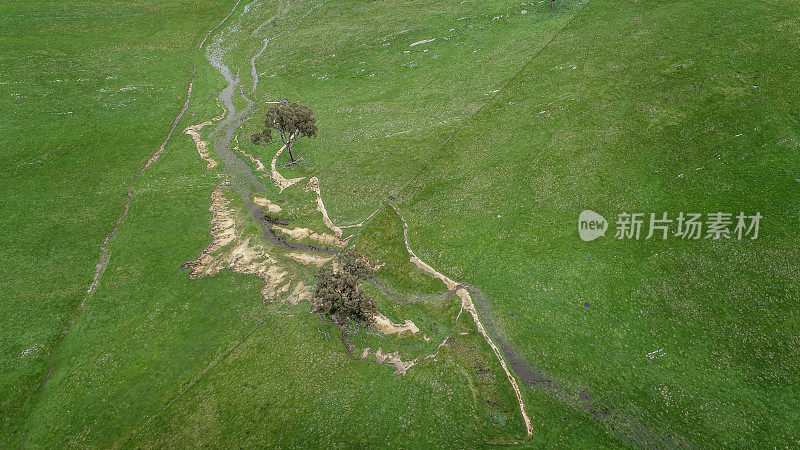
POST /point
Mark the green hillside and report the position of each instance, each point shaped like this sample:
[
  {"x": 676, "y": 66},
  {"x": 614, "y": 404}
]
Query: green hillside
[{"x": 162, "y": 297}]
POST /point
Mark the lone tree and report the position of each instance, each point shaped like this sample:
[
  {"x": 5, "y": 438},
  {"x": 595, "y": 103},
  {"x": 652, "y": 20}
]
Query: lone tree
[
  {"x": 339, "y": 294},
  {"x": 291, "y": 120}
]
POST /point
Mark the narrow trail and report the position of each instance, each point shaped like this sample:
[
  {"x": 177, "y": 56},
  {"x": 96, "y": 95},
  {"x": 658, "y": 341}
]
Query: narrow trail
[
  {"x": 102, "y": 263},
  {"x": 468, "y": 305},
  {"x": 105, "y": 247},
  {"x": 100, "y": 268},
  {"x": 219, "y": 24}
]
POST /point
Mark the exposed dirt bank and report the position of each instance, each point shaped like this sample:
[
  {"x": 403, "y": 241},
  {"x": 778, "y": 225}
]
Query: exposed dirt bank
[
  {"x": 389, "y": 359},
  {"x": 229, "y": 249},
  {"x": 313, "y": 185},
  {"x": 279, "y": 179},
  {"x": 202, "y": 146},
  {"x": 299, "y": 234},
  {"x": 310, "y": 259},
  {"x": 469, "y": 306},
  {"x": 268, "y": 205},
  {"x": 259, "y": 165},
  {"x": 388, "y": 327}
]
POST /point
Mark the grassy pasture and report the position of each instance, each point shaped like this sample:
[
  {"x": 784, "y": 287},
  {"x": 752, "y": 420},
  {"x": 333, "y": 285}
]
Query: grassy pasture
[
  {"x": 88, "y": 91},
  {"x": 383, "y": 105},
  {"x": 505, "y": 126},
  {"x": 149, "y": 334}
]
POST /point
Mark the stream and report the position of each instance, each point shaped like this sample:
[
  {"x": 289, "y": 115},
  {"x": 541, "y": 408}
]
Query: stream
[{"x": 240, "y": 176}]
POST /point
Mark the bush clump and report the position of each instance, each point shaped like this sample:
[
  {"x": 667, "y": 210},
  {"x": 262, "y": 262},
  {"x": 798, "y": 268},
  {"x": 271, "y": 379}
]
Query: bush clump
[{"x": 339, "y": 295}]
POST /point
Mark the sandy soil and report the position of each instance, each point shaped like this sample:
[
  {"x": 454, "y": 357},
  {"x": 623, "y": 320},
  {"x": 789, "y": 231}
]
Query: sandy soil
[
  {"x": 265, "y": 203},
  {"x": 313, "y": 185},
  {"x": 424, "y": 41},
  {"x": 259, "y": 165},
  {"x": 299, "y": 234},
  {"x": 301, "y": 292},
  {"x": 309, "y": 258},
  {"x": 390, "y": 359},
  {"x": 202, "y": 146},
  {"x": 279, "y": 179},
  {"x": 388, "y": 327},
  {"x": 230, "y": 250}
]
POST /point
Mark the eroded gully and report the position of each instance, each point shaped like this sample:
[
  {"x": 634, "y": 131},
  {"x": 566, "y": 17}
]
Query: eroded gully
[{"x": 241, "y": 179}]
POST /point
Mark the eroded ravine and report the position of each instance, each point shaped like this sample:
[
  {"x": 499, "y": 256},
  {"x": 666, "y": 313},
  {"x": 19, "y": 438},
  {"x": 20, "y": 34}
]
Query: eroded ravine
[{"x": 242, "y": 179}]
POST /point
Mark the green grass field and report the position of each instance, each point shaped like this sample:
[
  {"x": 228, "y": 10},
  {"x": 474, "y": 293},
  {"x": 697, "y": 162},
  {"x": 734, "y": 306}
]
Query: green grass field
[
  {"x": 492, "y": 125},
  {"x": 89, "y": 91}
]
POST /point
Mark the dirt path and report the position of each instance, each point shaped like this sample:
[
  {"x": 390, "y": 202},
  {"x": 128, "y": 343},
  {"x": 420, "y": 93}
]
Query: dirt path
[
  {"x": 468, "y": 305},
  {"x": 105, "y": 256}
]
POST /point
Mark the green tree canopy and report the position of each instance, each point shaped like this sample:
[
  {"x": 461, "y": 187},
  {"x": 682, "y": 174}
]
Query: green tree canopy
[
  {"x": 339, "y": 294},
  {"x": 290, "y": 121}
]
